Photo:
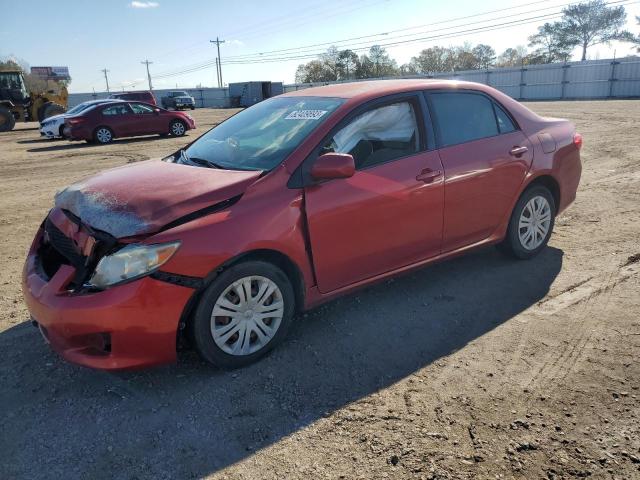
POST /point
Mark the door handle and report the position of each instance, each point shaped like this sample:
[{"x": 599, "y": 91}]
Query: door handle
[
  {"x": 518, "y": 151},
  {"x": 428, "y": 176}
]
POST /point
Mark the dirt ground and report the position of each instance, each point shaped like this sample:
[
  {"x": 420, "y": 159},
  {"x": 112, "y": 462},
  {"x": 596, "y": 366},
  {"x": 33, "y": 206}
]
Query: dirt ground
[{"x": 481, "y": 367}]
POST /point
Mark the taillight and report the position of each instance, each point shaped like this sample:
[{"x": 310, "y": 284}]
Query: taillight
[
  {"x": 577, "y": 140},
  {"x": 75, "y": 121}
]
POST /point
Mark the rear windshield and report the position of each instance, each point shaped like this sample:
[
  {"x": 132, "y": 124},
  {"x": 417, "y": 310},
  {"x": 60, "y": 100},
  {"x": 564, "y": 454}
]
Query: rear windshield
[{"x": 262, "y": 136}]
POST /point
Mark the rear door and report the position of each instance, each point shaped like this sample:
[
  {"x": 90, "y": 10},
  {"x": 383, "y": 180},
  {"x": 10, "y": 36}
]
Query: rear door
[
  {"x": 485, "y": 157},
  {"x": 389, "y": 213}
]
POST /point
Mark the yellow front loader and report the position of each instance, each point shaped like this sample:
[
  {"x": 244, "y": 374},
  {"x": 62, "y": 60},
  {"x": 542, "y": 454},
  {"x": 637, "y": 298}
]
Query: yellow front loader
[{"x": 47, "y": 98}]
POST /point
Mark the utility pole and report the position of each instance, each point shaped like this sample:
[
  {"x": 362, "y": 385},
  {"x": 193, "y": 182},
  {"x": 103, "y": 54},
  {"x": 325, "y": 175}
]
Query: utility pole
[
  {"x": 106, "y": 79},
  {"x": 147, "y": 63},
  {"x": 217, "y": 73},
  {"x": 217, "y": 41}
]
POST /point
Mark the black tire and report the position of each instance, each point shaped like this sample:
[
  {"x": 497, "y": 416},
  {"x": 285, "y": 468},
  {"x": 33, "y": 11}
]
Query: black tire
[
  {"x": 200, "y": 327},
  {"x": 512, "y": 244},
  {"x": 174, "y": 129},
  {"x": 61, "y": 131},
  {"x": 50, "y": 109},
  {"x": 193, "y": 107},
  {"x": 98, "y": 138},
  {"x": 7, "y": 120}
]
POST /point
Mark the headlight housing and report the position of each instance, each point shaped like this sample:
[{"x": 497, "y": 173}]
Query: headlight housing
[{"x": 131, "y": 262}]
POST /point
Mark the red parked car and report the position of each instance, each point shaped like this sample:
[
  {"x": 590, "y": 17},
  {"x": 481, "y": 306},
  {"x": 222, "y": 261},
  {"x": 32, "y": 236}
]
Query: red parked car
[
  {"x": 144, "y": 96},
  {"x": 104, "y": 122},
  {"x": 287, "y": 204}
]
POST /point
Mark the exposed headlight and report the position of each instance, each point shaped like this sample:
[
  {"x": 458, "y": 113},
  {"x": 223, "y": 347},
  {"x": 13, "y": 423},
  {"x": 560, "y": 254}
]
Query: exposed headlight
[{"x": 131, "y": 262}]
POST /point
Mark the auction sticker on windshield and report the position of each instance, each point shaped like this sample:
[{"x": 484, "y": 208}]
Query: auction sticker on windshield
[{"x": 305, "y": 115}]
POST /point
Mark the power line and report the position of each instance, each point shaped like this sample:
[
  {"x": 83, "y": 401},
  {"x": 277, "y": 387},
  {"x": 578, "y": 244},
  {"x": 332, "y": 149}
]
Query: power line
[
  {"x": 412, "y": 28},
  {"x": 312, "y": 12},
  {"x": 271, "y": 56},
  {"x": 248, "y": 55},
  {"x": 315, "y": 54},
  {"x": 484, "y": 28}
]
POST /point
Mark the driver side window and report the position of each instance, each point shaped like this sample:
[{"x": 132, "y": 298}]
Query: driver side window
[
  {"x": 378, "y": 136},
  {"x": 138, "y": 108}
]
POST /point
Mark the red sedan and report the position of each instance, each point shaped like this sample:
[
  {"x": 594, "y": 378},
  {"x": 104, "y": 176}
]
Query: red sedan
[
  {"x": 290, "y": 203},
  {"x": 103, "y": 123}
]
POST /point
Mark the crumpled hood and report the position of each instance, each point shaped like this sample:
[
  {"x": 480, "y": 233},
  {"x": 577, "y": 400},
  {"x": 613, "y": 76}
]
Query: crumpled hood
[{"x": 143, "y": 197}]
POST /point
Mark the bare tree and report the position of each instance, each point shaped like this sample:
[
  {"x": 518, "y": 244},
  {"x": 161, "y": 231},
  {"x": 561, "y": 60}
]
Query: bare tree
[
  {"x": 636, "y": 40},
  {"x": 347, "y": 63},
  {"x": 551, "y": 42},
  {"x": 384, "y": 64},
  {"x": 484, "y": 54},
  {"x": 331, "y": 59},
  {"x": 593, "y": 23},
  {"x": 512, "y": 57},
  {"x": 433, "y": 59}
]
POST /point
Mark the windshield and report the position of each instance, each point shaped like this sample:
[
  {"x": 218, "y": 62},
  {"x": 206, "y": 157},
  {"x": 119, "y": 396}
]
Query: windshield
[
  {"x": 81, "y": 107},
  {"x": 262, "y": 136},
  {"x": 180, "y": 94}
]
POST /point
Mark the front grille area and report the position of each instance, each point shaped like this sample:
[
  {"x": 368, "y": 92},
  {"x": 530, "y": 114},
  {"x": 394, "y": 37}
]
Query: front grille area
[{"x": 63, "y": 245}]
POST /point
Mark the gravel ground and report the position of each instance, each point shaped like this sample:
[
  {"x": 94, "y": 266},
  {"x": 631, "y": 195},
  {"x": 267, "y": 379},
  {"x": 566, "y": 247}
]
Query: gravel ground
[{"x": 481, "y": 367}]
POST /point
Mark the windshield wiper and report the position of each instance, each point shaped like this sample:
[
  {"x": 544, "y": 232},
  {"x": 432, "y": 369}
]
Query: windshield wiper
[{"x": 198, "y": 161}]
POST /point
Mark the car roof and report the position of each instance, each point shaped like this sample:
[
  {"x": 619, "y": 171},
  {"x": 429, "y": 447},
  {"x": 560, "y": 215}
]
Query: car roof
[
  {"x": 377, "y": 88},
  {"x": 104, "y": 100}
]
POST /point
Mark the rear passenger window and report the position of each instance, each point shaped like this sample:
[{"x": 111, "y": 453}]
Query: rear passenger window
[
  {"x": 378, "y": 136},
  {"x": 463, "y": 117},
  {"x": 505, "y": 124},
  {"x": 116, "y": 110}
]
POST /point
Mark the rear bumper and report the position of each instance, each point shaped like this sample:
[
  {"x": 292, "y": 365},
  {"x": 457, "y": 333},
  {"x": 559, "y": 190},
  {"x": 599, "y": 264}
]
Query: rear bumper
[{"x": 125, "y": 327}]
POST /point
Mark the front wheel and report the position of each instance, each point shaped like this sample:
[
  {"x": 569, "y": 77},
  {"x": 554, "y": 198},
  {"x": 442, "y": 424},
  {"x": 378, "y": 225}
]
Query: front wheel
[
  {"x": 531, "y": 223},
  {"x": 177, "y": 128},
  {"x": 243, "y": 314}
]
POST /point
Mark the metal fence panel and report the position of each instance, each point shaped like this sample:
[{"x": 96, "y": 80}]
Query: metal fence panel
[{"x": 607, "y": 78}]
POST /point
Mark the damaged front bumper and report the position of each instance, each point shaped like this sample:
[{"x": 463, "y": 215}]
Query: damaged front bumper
[{"x": 132, "y": 325}]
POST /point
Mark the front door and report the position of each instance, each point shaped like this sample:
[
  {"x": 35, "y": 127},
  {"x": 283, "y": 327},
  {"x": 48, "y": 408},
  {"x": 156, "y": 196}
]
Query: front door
[
  {"x": 146, "y": 120},
  {"x": 389, "y": 213}
]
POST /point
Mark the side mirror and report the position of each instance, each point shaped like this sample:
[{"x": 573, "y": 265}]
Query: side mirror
[{"x": 333, "y": 165}]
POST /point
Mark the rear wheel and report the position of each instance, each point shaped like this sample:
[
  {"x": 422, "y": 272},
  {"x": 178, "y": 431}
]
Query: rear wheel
[
  {"x": 103, "y": 135},
  {"x": 7, "y": 120},
  {"x": 177, "y": 128},
  {"x": 531, "y": 223},
  {"x": 243, "y": 314}
]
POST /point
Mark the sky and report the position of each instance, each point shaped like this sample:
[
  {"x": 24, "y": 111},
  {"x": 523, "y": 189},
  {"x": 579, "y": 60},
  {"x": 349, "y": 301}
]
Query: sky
[{"x": 88, "y": 36}]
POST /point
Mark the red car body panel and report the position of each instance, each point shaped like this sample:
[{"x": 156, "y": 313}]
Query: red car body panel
[
  {"x": 337, "y": 235},
  {"x": 378, "y": 219},
  {"x": 74, "y": 324},
  {"x": 83, "y": 125},
  {"x": 144, "y": 96}
]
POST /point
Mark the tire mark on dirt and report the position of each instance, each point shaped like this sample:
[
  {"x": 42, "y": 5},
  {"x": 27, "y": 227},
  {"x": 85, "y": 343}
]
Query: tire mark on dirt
[{"x": 594, "y": 297}]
